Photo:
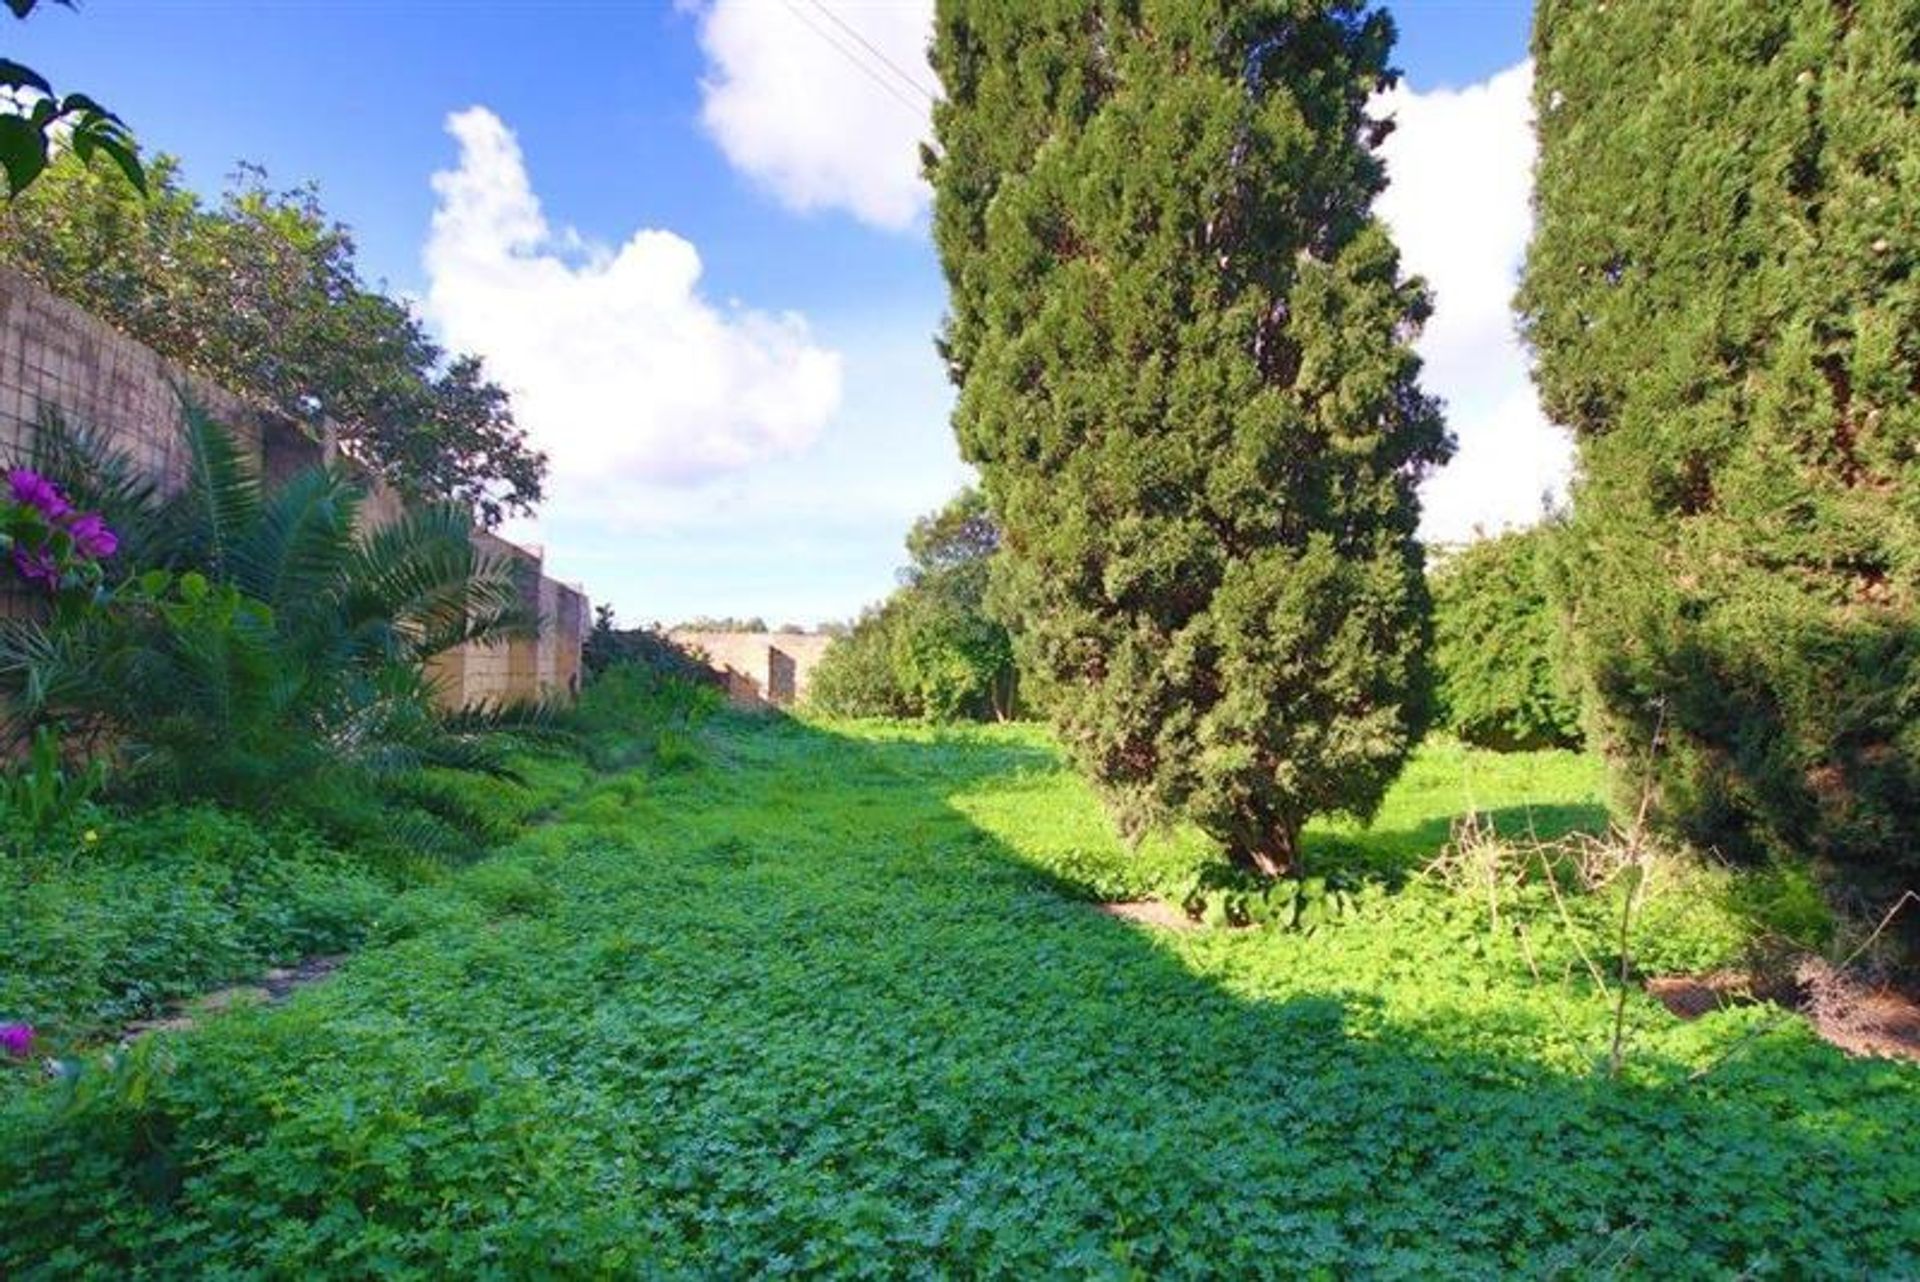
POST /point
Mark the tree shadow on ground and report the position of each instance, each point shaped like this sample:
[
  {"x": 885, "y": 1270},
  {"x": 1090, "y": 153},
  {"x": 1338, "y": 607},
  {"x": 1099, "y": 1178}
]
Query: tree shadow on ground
[{"x": 791, "y": 1012}]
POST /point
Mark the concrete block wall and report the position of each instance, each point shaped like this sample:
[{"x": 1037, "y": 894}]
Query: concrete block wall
[
  {"x": 56, "y": 355},
  {"x": 759, "y": 668},
  {"x": 545, "y": 668}
]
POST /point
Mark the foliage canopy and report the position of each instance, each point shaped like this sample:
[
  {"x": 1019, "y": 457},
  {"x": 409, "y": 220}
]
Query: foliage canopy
[
  {"x": 1724, "y": 295},
  {"x": 263, "y": 295},
  {"x": 1182, "y": 343}
]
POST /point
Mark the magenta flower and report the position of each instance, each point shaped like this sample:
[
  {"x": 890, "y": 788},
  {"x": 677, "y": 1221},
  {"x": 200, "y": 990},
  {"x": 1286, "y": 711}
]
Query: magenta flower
[
  {"x": 17, "y": 1039},
  {"x": 36, "y": 565},
  {"x": 91, "y": 537},
  {"x": 36, "y": 491}
]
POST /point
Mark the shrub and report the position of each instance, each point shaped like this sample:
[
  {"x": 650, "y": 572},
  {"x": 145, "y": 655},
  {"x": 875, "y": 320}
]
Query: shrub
[
  {"x": 1722, "y": 294},
  {"x": 933, "y": 649},
  {"x": 950, "y": 662},
  {"x": 608, "y": 645},
  {"x": 43, "y": 789},
  {"x": 634, "y": 712},
  {"x": 252, "y": 642},
  {"x": 1496, "y": 646},
  {"x": 856, "y": 677}
]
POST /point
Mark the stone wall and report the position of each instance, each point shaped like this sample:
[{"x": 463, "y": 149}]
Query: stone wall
[
  {"x": 544, "y": 668},
  {"x": 54, "y": 355},
  {"x": 766, "y": 669}
]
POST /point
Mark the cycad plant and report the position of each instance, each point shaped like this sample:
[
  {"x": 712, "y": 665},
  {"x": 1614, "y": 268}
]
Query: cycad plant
[{"x": 253, "y": 644}]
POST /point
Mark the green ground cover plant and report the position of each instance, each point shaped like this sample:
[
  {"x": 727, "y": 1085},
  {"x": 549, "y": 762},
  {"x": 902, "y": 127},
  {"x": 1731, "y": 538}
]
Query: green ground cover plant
[
  {"x": 117, "y": 912},
  {"x": 815, "y": 998},
  {"x": 107, "y": 923}
]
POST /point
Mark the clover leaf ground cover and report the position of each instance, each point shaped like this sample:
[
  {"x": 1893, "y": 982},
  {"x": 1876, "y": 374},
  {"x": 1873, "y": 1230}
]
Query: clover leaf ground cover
[{"x": 830, "y": 999}]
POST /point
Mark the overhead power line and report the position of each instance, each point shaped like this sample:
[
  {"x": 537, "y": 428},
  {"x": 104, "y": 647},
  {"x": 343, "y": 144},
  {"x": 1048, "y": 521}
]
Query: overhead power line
[
  {"x": 860, "y": 63},
  {"x": 906, "y": 77}
]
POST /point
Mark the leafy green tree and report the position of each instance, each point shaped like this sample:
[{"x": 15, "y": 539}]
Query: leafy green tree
[
  {"x": 955, "y": 546},
  {"x": 1723, "y": 293},
  {"x": 1182, "y": 342},
  {"x": 932, "y": 649},
  {"x": 39, "y": 116},
  {"x": 263, "y": 295},
  {"x": 1497, "y": 641},
  {"x": 951, "y": 662},
  {"x": 857, "y": 677},
  {"x": 951, "y": 653}
]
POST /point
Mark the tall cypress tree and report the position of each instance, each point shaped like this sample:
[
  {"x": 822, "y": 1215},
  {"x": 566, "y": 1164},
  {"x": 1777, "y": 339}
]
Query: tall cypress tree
[
  {"x": 1182, "y": 345},
  {"x": 1724, "y": 296}
]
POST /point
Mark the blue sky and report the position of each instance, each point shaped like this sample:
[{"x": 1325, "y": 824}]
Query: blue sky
[{"x": 751, "y": 435}]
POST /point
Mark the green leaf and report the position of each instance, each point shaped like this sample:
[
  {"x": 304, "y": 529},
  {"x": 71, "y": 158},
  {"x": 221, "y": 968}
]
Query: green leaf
[
  {"x": 128, "y": 160},
  {"x": 23, "y": 152},
  {"x": 79, "y": 102},
  {"x": 15, "y": 76}
]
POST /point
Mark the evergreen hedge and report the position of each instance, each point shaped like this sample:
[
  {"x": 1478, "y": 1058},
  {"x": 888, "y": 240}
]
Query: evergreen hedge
[
  {"x": 1723, "y": 298},
  {"x": 1497, "y": 643},
  {"x": 1183, "y": 347}
]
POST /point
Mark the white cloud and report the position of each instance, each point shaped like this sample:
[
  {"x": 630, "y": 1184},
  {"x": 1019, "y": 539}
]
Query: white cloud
[
  {"x": 795, "y": 114},
  {"x": 825, "y": 105},
  {"x": 1461, "y": 170},
  {"x": 618, "y": 367}
]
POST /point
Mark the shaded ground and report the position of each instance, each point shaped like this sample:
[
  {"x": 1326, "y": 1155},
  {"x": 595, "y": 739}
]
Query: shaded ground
[
  {"x": 795, "y": 1009},
  {"x": 275, "y": 985}
]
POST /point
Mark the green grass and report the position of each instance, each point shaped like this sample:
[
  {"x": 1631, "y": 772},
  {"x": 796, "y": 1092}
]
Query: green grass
[
  {"x": 1045, "y": 814},
  {"x": 819, "y": 999}
]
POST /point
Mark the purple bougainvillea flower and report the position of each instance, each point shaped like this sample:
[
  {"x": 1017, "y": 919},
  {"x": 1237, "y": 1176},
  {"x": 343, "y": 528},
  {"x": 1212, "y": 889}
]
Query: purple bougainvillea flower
[
  {"x": 17, "y": 1039},
  {"x": 36, "y": 565},
  {"x": 36, "y": 491},
  {"x": 91, "y": 537}
]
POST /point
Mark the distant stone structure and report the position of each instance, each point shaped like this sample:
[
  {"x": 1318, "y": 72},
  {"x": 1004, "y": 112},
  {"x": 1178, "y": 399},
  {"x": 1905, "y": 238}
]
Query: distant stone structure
[
  {"x": 760, "y": 669},
  {"x": 60, "y": 356}
]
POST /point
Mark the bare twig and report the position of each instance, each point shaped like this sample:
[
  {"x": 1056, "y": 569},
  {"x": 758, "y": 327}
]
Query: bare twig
[
  {"x": 1566, "y": 919},
  {"x": 1636, "y": 854}
]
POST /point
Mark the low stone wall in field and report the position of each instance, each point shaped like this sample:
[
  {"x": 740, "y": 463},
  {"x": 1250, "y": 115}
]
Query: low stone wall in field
[{"x": 759, "y": 668}]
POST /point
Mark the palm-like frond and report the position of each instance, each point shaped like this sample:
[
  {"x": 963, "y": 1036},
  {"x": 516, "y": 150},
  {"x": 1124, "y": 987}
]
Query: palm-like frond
[
  {"x": 44, "y": 670},
  {"x": 99, "y": 476},
  {"x": 423, "y": 573},
  {"x": 222, "y": 497},
  {"x": 295, "y": 552},
  {"x": 286, "y": 648}
]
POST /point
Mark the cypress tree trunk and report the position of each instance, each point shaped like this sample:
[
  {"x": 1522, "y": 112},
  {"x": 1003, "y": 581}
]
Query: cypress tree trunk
[
  {"x": 1724, "y": 296},
  {"x": 1182, "y": 343},
  {"x": 1270, "y": 852}
]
